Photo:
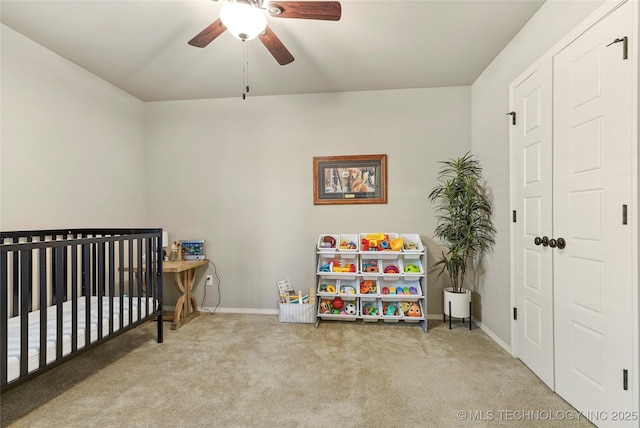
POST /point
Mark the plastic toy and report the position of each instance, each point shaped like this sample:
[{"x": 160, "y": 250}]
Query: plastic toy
[
  {"x": 331, "y": 289},
  {"x": 389, "y": 309},
  {"x": 414, "y": 310},
  {"x": 348, "y": 268},
  {"x": 413, "y": 290},
  {"x": 410, "y": 246},
  {"x": 338, "y": 303},
  {"x": 328, "y": 242},
  {"x": 375, "y": 236},
  {"x": 344, "y": 245},
  {"x": 385, "y": 290},
  {"x": 392, "y": 290},
  {"x": 347, "y": 289},
  {"x": 350, "y": 309},
  {"x": 411, "y": 268},
  {"x": 396, "y": 244},
  {"x": 370, "y": 267},
  {"x": 404, "y": 306},
  {"x": 367, "y": 287},
  {"x": 325, "y": 306},
  {"x": 369, "y": 309},
  {"x": 392, "y": 269},
  {"x": 325, "y": 268}
]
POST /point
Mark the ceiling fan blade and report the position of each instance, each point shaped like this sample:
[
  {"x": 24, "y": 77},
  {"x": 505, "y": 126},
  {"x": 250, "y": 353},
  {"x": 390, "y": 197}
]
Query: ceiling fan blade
[
  {"x": 275, "y": 46},
  {"x": 206, "y": 36},
  {"x": 324, "y": 10}
]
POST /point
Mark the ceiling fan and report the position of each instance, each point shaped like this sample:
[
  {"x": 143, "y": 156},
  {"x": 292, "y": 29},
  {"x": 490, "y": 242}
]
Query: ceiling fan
[{"x": 235, "y": 15}]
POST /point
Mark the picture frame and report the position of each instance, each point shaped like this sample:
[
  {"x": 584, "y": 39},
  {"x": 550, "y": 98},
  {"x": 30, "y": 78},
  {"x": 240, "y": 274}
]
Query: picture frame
[{"x": 357, "y": 179}]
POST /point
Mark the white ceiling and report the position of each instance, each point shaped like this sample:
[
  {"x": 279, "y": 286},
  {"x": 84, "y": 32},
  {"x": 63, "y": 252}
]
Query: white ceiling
[{"x": 141, "y": 46}]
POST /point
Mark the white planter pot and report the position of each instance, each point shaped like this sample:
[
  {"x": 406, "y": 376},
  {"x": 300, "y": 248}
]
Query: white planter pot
[{"x": 459, "y": 303}]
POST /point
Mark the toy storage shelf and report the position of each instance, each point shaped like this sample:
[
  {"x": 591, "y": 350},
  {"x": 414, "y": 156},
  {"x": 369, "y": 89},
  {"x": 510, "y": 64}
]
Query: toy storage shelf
[{"x": 385, "y": 284}]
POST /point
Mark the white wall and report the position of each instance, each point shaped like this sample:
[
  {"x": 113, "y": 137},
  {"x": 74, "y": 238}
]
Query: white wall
[
  {"x": 78, "y": 152},
  {"x": 71, "y": 148},
  {"x": 490, "y": 140},
  {"x": 239, "y": 175}
]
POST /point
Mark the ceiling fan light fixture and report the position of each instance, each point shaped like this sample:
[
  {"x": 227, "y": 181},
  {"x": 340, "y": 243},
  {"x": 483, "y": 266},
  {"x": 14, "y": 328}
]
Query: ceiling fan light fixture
[
  {"x": 244, "y": 21},
  {"x": 274, "y": 10}
]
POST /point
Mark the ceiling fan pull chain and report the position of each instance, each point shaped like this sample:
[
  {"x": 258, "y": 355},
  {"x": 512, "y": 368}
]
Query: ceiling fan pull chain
[{"x": 245, "y": 70}]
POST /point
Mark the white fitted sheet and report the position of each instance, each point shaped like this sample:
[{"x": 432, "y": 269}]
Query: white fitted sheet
[{"x": 13, "y": 333}]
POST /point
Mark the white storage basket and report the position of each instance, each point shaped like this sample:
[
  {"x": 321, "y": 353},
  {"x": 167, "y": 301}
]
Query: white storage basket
[{"x": 297, "y": 313}]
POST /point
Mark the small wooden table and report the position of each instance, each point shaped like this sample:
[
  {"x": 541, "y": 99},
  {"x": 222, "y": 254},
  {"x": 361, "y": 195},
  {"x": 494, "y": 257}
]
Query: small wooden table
[{"x": 185, "y": 275}]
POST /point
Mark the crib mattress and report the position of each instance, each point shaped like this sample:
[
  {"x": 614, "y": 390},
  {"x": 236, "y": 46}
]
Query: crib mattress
[{"x": 13, "y": 332}]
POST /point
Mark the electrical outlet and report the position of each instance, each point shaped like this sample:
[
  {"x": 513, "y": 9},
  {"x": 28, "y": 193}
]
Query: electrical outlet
[{"x": 208, "y": 280}]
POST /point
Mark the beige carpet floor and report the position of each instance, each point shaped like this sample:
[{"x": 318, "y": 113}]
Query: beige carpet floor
[{"x": 230, "y": 370}]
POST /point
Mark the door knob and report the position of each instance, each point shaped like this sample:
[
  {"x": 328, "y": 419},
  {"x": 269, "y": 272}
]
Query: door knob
[
  {"x": 537, "y": 240},
  {"x": 545, "y": 241},
  {"x": 561, "y": 243},
  {"x": 553, "y": 243}
]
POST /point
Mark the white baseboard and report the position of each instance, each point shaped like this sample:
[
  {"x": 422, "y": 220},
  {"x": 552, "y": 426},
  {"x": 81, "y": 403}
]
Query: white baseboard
[
  {"x": 494, "y": 336},
  {"x": 253, "y": 311}
]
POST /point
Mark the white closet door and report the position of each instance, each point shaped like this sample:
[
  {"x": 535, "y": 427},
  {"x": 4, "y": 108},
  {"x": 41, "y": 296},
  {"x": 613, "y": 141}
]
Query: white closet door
[
  {"x": 534, "y": 268},
  {"x": 592, "y": 182}
]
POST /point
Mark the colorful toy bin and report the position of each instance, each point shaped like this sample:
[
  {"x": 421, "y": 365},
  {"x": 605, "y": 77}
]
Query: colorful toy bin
[
  {"x": 412, "y": 247},
  {"x": 348, "y": 287},
  {"x": 344, "y": 307},
  {"x": 369, "y": 287},
  {"x": 391, "y": 311},
  {"x": 327, "y": 287},
  {"x": 412, "y": 311},
  {"x": 370, "y": 268},
  {"x": 391, "y": 269},
  {"x": 348, "y": 243},
  {"x": 337, "y": 266},
  {"x": 391, "y": 290},
  {"x": 385, "y": 244},
  {"x": 328, "y": 242},
  {"x": 370, "y": 309},
  {"x": 411, "y": 268}
]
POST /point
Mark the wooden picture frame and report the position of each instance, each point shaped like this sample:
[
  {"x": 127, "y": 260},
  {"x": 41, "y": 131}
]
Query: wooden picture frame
[{"x": 350, "y": 180}]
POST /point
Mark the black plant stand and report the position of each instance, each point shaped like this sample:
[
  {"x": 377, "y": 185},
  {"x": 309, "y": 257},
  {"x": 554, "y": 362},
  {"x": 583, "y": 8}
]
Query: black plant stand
[{"x": 444, "y": 316}]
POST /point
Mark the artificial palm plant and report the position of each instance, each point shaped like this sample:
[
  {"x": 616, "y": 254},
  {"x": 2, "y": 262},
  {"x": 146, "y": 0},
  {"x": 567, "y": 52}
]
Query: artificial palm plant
[{"x": 464, "y": 215}]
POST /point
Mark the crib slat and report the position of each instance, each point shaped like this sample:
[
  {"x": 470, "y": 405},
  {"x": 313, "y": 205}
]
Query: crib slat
[
  {"x": 100, "y": 285},
  {"x": 131, "y": 273},
  {"x": 148, "y": 272},
  {"x": 42, "y": 304},
  {"x": 86, "y": 290},
  {"x": 158, "y": 290},
  {"x": 4, "y": 317},
  {"x": 74, "y": 298},
  {"x": 139, "y": 274},
  {"x": 57, "y": 286},
  {"x": 16, "y": 286},
  {"x": 25, "y": 293},
  {"x": 111, "y": 284},
  {"x": 121, "y": 281}
]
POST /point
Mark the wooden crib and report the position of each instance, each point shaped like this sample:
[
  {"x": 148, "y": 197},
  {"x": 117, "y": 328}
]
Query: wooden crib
[{"x": 62, "y": 292}]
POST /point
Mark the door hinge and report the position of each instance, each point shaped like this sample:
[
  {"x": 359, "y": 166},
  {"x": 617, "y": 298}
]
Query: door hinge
[
  {"x": 514, "y": 216},
  {"x": 625, "y": 379},
  {"x": 513, "y": 117},
  {"x": 625, "y": 46},
  {"x": 515, "y": 313},
  {"x": 624, "y": 214}
]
